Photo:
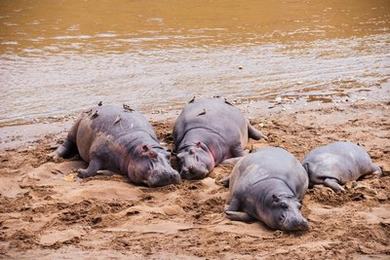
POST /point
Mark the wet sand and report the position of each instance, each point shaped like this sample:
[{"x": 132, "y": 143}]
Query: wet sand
[{"x": 46, "y": 212}]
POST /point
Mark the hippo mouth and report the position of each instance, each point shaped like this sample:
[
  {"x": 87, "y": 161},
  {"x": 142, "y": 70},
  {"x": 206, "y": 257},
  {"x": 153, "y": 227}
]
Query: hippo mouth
[
  {"x": 193, "y": 173},
  {"x": 163, "y": 180},
  {"x": 293, "y": 225}
]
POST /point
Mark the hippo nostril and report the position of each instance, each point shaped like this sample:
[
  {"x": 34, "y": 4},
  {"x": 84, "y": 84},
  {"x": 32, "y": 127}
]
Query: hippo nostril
[{"x": 183, "y": 171}]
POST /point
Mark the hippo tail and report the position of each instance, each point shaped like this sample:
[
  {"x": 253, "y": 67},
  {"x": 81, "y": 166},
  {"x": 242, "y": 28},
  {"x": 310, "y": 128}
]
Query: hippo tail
[
  {"x": 255, "y": 134},
  {"x": 69, "y": 147}
]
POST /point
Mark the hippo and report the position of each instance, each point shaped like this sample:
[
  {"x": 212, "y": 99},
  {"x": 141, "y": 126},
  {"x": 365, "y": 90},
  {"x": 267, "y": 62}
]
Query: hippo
[
  {"x": 207, "y": 132},
  {"x": 268, "y": 185},
  {"x": 337, "y": 163},
  {"x": 120, "y": 140}
]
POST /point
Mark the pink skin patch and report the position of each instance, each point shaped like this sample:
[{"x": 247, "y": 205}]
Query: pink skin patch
[
  {"x": 212, "y": 156},
  {"x": 209, "y": 151}
]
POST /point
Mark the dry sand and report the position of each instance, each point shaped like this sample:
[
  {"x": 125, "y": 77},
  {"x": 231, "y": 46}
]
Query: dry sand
[{"x": 46, "y": 212}]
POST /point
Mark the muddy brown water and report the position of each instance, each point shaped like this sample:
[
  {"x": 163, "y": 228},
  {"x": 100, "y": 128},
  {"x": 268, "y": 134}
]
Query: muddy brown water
[{"x": 59, "y": 57}]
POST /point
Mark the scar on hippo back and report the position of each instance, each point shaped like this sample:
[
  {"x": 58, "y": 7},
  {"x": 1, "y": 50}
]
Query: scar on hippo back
[
  {"x": 117, "y": 120},
  {"x": 202, "y": 113}
]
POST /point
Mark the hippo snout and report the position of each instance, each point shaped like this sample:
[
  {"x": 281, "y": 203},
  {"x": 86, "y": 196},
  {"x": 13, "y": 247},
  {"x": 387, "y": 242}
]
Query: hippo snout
[
  {"x": 193, "y": 173},
  {"x": 297, "y": 225},
  {"x": 164, "y": 179}
]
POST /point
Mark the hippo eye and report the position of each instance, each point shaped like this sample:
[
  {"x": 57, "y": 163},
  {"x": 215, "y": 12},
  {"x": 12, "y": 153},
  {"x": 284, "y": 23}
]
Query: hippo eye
[{"x": 283, "y": 205}]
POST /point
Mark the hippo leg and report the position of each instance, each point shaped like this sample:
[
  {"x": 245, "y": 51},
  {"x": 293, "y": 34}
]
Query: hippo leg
[
  {"x": 232, "y": 212},
  {"x": 67, "y": 149},
  {"x": 376, "y": 170},
  {"x": 92, "y": 170},
  {"x": 237, "y": 151},
  {"x": 231, "y": 161},
  {"x": 238, "y": 216},
  {"x": 254, "y": 133},
  {"x": 333, "y": 184}
]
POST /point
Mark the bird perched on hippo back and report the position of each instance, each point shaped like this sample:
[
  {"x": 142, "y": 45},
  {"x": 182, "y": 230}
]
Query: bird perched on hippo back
[
  {"x": 207, "y": 132},
  {"x": 119, "y": 139},
  {"x": 337, "y": 163},
  {"x": 268, "y": 185}
]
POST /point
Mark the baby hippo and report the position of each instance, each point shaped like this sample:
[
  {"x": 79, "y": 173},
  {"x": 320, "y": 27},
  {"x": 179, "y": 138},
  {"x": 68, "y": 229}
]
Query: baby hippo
[
  {"x": 207, "y": 132},
  {"x": 337, "y": 163},
  {"x": 268, "y": 185},
  {"x": 119, "y": 139}
]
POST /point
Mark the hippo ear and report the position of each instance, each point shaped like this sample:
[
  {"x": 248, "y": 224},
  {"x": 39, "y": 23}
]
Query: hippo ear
[{"x": 198, "y": 144}]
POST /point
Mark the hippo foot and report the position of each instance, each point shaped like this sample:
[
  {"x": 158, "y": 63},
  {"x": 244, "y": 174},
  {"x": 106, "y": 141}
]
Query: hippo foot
[
  {"x": 334, "y": 185},
  {"x": 231, "y": 161},
  {"x": 54, "y": 157},
  {"x": 105, "y": 172},
  {"x": 84, "y": 173},
  {"x": 378, "y": 171},
  {"x": 238, "y": 216}
]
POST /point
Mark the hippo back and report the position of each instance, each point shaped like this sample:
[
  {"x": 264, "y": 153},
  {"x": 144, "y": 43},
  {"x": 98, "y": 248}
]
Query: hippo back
[
  {"x": 116, "y": 121},
  {"x": 343, "y": 161},
  {"x": 267, "y": 163},
  {"x": 214, "y": 114},
  {"x": 111, "y": 121}
]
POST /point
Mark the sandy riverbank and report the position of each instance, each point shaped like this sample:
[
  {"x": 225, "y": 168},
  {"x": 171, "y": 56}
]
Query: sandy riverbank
[{"x": 47, "y": 212}]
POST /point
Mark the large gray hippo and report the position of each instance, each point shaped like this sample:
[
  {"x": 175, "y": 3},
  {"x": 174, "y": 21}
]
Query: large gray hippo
[
  {"x": 268, "y": 185},
  {"x": 207, "y": 132},
  {"x": 337, "y": 163},
  {"x": 119, "y": 139}
]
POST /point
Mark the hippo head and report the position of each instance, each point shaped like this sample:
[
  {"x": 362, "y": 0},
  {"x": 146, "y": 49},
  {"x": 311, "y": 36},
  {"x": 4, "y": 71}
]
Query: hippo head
[
  {"x": 283, "y": 213},
  {"x": 152, "y": 167},
  {"x": 195, "y": 161}
]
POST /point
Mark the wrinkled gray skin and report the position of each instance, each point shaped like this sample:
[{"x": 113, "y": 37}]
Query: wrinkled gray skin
[
  {"x": 268, "y": 185},
  {"x": 207, "y": 132},
  {"x": 120, "y": 140},
  {"x": 337, "y": 163}
]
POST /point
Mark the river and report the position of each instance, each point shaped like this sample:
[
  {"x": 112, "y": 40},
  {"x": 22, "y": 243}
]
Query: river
[{"x": 57, "y": 57}]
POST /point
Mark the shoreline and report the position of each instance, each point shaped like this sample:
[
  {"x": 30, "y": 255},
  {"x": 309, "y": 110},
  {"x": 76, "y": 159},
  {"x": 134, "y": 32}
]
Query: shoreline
[
  {"x": 16, "y": 135},
  {"x": 46, "y": 211}
]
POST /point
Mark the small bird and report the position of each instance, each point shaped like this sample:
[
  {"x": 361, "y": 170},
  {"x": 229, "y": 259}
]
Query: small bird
[{"x": 127, "y": 108}]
